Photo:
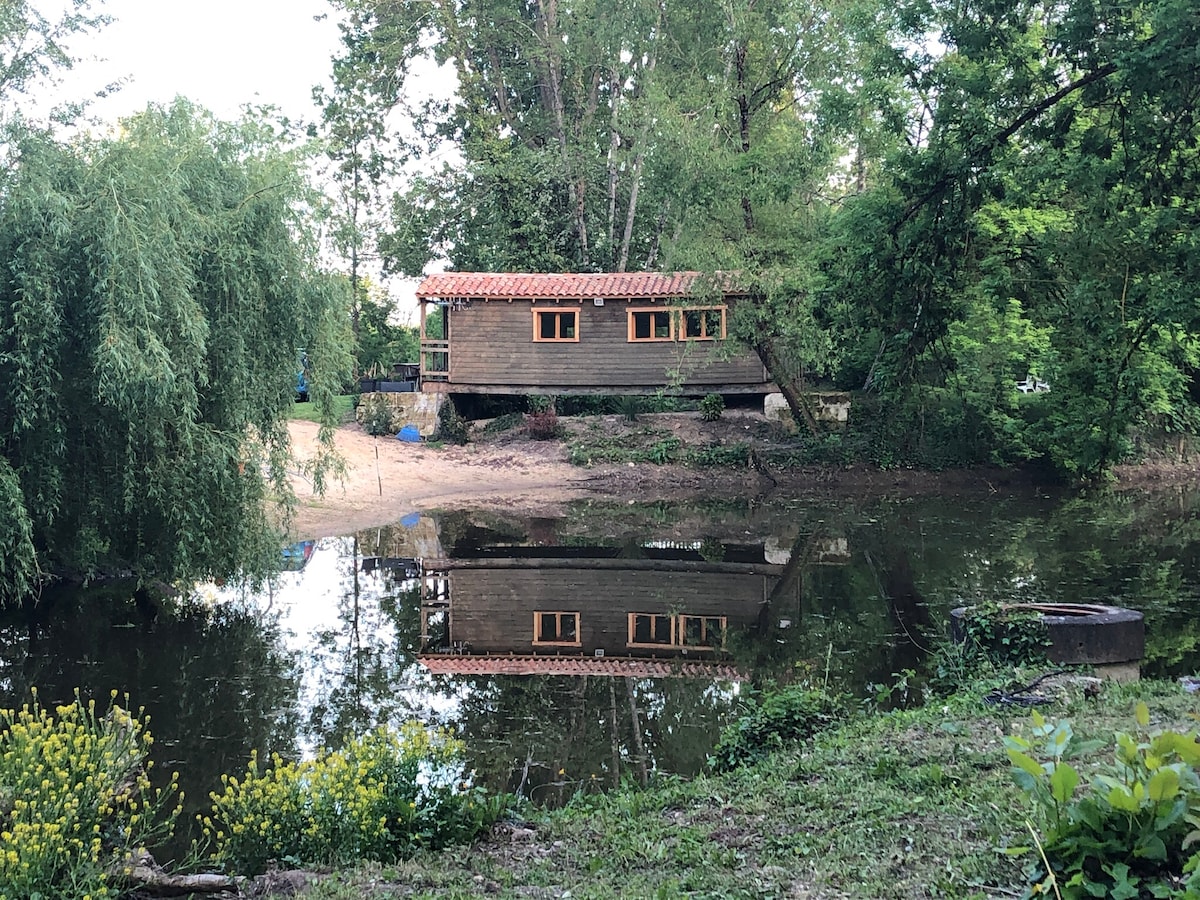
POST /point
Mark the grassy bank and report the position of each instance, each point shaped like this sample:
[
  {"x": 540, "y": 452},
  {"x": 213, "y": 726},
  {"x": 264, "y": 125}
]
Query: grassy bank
[
  {"x": 343, "y": 406},
  {"x": 909, "y": 804}
]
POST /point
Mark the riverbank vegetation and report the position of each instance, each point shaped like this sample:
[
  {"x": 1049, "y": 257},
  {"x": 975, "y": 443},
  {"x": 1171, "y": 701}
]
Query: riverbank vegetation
[{"x": 823, "y": 797}]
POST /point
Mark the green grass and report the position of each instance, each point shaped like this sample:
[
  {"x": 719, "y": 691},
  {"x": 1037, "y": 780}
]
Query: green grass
[
  {"x": 343, "y": 406},
  {"x": 900, "y": 805}
]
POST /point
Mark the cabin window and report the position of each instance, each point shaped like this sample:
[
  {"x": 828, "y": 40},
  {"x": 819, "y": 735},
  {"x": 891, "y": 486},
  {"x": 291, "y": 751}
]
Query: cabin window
[
  {"x": 702, "y": 631},
  {"x": 556, "y": 628},
  {"x": 650, "y": 325},
  {"x": 656, "y": 630},
  {"x": 556, "y": 325},
  {"x": 651, "y": 630},
  {"x": 703, "y": 324}
]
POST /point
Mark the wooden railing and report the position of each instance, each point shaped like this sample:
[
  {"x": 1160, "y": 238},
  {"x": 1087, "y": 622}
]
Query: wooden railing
[{"x": 435, "y": 360}]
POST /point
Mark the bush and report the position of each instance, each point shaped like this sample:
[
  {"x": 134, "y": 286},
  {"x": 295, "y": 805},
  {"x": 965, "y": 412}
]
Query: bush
[
  {"x": 542, "y": 426},
  {"x": 382, "y": 798},
  {"x": 1133, "y": 832},
  {"x": 711, "y": 407},
  {"x": 377, "y": 415},
  {"x": 780, "y": 718},
  {"x": 452, "y": 427},
  {"x": 75, "y": 799},
  {"x": 629, "y": 405}
]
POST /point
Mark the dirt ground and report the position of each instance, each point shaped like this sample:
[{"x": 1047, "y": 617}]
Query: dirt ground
[{"x": 387, "y": 479}]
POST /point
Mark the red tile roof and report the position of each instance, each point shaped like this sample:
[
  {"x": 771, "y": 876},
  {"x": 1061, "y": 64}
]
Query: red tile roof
[
  {"x": 524, "y": 286},
  {"x": 461, "y": 664}
]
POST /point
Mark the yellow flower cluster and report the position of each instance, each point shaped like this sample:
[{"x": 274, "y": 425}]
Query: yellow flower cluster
[
  {"x": 74, "y": 795},
  {"x": 365, "y": 801}
]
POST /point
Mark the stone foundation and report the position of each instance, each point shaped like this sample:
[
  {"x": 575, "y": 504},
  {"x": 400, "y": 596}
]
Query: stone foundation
[
  {"x": 830, "y": 408},
  {"x": 410, "y": 408}
]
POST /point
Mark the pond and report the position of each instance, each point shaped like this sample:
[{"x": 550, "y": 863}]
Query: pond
[{"x": 610, "y": 641}]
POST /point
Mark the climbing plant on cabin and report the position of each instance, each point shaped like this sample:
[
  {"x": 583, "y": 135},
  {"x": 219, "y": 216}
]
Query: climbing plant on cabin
[{"x": 154, "y": 288}]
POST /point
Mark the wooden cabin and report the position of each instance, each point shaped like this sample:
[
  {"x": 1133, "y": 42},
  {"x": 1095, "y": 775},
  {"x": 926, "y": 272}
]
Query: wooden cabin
[{"x": 618, "y": 333}]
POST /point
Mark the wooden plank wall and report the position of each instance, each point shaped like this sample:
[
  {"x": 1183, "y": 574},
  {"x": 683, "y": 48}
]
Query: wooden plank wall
[
  {"x": 493, "y": 344},
  {"x": 492, "y": 609}
]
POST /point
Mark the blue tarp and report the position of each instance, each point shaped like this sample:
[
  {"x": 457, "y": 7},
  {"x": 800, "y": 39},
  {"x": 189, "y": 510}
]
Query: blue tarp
[{"x": 409, "y": 433}]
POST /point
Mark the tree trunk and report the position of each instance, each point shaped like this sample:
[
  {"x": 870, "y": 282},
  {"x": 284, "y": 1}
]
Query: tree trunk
[
  {"x": 613, "y": 734},
  {"x": 792, "y": 392},
  {"x": 553, "y": 94},
  {"x": 636, "y": 727}
]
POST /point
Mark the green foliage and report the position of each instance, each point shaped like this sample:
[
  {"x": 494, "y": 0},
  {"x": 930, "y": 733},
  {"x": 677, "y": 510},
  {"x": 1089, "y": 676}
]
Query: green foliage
[
  {"x": 382, "y": 344},
  {"x": 1132, "y": 831},
  {"x": 155, "y": 288},
  {"x": 451, "y": 426},
  {"x": 540, "y": 403},
  {"x": 18, "y": 558},
  {"x": 75, "y": 799},
  {"x": 629, "y": 405},
  {"x": 382, "y": 797},
  {"x": 711, "y": 407},
  {"x": 773, "y": 722},
  {"x": 718, "y": 455},
  {"x": 501, "y": 424},
  {"x": 1002, "y": 634},
  {"x": 377, "y": 415}
]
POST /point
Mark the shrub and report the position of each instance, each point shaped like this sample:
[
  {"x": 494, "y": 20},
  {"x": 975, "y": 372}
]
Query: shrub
[
  {"x": 711, "y": 407},
  {"x": 629, "y": 405},
  {"x": 75, "y": 799},
  {"x": 780, "y": 718},
  {"x": 381, "y": 798},
  {"x": 542, "y": 426},
  {"x": 540, "y": 402},
  {"x": 1133, "y": 832},
  {"x": 1004, "y": 635},
  {"x": 377, "y": 416},
  {"x": 452, "y": 427}
]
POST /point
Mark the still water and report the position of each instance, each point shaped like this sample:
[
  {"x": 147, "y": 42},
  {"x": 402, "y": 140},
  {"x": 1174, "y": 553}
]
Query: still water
[{"x": 606, "y": 643}]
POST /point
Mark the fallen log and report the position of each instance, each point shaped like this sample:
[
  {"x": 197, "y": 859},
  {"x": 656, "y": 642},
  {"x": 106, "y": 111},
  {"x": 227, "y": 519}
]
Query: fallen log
[{"x": 154, "y": 882}]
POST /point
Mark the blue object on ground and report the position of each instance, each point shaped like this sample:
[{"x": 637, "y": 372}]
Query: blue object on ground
[
  {"x": 409, "y": 433},
  {"x": 411, "y": 520}
]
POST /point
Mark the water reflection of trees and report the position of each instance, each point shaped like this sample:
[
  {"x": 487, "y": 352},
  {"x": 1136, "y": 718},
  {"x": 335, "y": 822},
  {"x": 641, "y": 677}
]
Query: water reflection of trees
[
  {"x": 549, "y": 737},
  {"x": 361, "y": 668},
  {"x": 215, "y": 679}
]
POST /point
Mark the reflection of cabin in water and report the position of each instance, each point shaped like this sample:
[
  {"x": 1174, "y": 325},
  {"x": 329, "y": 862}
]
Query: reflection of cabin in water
[
  {"x": 589, "y": 610},
  {"x": 619, "y": 333}
]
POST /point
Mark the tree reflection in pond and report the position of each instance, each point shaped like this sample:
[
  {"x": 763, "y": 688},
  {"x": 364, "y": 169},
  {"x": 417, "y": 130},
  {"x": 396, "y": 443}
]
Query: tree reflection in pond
[
  {"x": 216, "y": 679},
  {"x": 845, "y": 592}
]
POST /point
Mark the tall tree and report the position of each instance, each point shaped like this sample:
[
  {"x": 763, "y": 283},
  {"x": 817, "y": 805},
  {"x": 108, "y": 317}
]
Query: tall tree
[
  {"x": 1052, "y": 164},
  {"x": 154, "y": 291}
]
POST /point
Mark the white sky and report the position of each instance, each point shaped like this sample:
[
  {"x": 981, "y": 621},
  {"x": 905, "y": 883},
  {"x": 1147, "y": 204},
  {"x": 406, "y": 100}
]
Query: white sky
[{"x": 221, "y": 54}]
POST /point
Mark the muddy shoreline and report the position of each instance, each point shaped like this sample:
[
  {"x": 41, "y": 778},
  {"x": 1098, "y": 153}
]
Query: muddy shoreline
[{"x": 386, "y": 479}]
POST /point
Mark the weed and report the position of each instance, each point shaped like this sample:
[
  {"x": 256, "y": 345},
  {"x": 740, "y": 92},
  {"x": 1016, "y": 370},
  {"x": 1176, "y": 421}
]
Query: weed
[
  {"x": 629, "y": 406},
  {"x": 716, "y": 455},
  {"x": 377, "y": 415},
  {"x": 779, "y": 719},
  {"x": 711, "y": 407},
  {"x": 452, "y": 427},
  {"x": 1132, "y": 832},
  {"x": 501, "y": 424}
]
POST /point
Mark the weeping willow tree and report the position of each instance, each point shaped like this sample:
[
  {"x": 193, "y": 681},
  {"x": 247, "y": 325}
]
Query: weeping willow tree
[{"x": 155, "y": 289}]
